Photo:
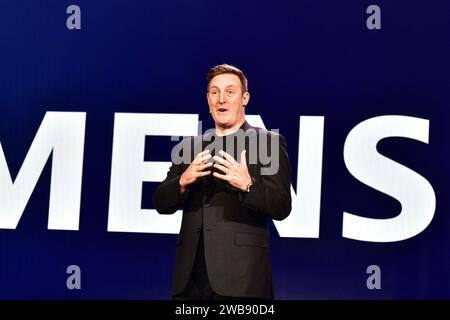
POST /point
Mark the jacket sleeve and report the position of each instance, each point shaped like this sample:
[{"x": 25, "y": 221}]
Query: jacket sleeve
[
  {"x": 167, "y": 198},
  {"x": 271, "y": 194}
]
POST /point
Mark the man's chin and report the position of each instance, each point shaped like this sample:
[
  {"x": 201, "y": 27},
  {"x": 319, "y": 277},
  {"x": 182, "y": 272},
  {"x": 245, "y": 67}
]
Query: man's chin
[{"x": 223, "y": 124}]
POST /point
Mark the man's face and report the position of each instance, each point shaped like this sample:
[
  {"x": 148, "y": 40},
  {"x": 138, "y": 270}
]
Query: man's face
[{"x": 226, "y": 101}]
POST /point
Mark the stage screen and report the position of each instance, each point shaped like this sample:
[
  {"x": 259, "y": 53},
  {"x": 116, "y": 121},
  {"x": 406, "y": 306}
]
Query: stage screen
[{"x": 95, "y": 94}]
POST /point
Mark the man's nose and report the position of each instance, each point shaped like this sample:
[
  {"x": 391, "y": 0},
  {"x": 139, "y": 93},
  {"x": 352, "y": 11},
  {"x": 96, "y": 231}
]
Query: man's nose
[{"x": 222, "y": 97}]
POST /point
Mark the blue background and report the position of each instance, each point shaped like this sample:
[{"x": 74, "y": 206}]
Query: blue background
[{"x": 301, "y": 58}]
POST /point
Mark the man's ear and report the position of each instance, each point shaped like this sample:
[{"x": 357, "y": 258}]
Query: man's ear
[{"x": 245, "y": 98}]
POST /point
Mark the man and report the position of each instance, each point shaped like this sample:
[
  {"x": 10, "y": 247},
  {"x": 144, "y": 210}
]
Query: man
[{"x": 223, "y": 246}]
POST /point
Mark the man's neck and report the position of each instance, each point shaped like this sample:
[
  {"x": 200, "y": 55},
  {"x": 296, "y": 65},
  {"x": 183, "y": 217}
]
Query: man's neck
[{"x": 222, "y": 131}]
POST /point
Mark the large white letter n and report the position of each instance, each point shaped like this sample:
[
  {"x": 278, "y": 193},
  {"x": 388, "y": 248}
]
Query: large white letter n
[{"x": 62, "y": 135}]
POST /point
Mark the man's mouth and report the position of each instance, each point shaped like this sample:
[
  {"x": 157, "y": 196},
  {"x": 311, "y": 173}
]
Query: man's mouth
[{"x": 222, "y": 110}]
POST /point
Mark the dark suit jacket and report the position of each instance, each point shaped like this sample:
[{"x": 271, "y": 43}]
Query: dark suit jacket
[{"x": 234, "y": 223}]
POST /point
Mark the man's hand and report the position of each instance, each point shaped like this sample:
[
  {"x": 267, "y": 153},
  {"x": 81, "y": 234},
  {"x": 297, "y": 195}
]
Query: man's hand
[
  {"x": 195, "y": 170},
  {"x": 235, "y": 173}
]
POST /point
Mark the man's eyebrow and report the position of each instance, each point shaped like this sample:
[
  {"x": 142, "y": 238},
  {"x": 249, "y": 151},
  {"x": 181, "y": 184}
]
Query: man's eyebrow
[{"x": 227, "y": 87}]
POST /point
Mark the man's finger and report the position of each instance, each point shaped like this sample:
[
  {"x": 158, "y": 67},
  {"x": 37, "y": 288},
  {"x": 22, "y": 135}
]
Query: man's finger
[
  {"x": 202, "y": 167},
  {"x": 224, "y": 162},
  {"x": 228, "y": 157},
  {"x": 244, "y": 157},
  {"x": 222, "y": 168},
  {"x": 206, "y": 157},
  {"x": 202, "y": 173},
  {"x": 202, "y": 157},
  {"x": 201, "y": 154},
  {"x": 221, "y": 176}
]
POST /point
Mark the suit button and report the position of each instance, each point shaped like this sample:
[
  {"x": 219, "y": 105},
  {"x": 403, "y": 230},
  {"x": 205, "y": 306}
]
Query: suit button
[{"x": 198, "y": 229}]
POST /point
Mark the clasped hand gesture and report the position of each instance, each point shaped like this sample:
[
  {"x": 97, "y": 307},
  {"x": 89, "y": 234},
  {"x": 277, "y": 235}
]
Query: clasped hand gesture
[{"x": 234, "y": 172}]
